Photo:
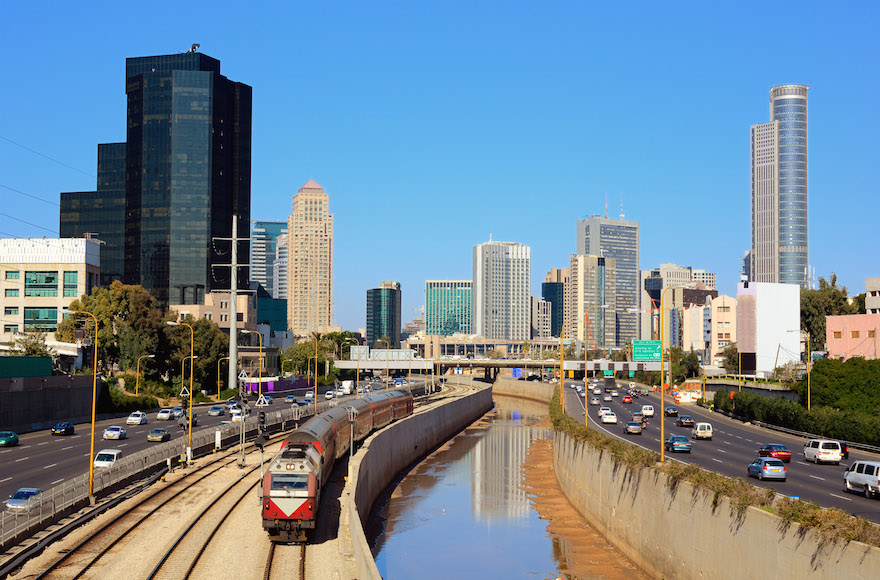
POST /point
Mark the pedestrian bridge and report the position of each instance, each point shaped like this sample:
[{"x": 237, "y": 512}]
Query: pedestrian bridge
[{"x": 492, "y": 365}]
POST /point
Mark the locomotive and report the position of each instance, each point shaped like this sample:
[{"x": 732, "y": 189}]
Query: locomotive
[{"x": 298, "y": 472}]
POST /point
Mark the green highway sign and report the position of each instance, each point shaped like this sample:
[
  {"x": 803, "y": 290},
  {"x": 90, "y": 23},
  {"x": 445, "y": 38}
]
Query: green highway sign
[
  {"x": 632, "y": 374},
  {"x": 646, "y": 350},
  {"x": 608, "y": 373}
]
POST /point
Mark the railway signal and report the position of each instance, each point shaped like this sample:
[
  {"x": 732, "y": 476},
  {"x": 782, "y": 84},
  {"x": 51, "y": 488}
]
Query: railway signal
[{"x": 262, "y": 421}]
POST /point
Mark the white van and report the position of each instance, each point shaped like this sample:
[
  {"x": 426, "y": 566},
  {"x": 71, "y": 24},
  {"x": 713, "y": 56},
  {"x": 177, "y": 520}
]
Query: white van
[
  {"x": 106, "y": 459},
  {"x": 864, "y": 477},
  {"x": 702, "y": 431},
  {"x": 648, "y": 410},
  {"x": 823, "y": 450}
]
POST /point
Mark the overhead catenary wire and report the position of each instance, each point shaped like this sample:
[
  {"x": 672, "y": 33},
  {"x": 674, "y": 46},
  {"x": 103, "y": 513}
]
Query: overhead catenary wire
[
  {"x": 35, "y": 152},
  {"x": 30, "y": 195}
]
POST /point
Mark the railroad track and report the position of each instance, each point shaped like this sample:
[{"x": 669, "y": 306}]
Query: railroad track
[{"x": 284, "y": 558}]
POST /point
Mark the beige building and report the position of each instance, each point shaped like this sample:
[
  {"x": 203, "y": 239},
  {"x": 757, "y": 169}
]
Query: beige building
[
  {"x": 216, "y": 308},
  {"x": 872, "y": 295},
  {"x": 40, "y": 277},
  {"x": 593, "y": 285},
  {"x": 310, "y": 262}
]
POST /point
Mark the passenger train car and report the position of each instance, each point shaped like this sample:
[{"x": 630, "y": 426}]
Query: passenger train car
[{"x": 297, "y": 474}]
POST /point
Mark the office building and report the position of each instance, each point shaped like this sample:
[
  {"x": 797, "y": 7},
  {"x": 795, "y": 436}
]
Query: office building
[
  {"x": 448, "y": 306},
  {"x": 501, "y": 297},
  {"x": 40, "y": 277},
  {"x": 872, "y": 295},
  {"x": 768, "y": 320},
  {"x": 187, "y": 172},
  {"x": 541, "y": 316},
  {"x": 264, "y": 238},
  {"x": 617, "y": 240},
  {"x": 383, "y": 315},
  {"x": 553, "y": 290},
  {"x": 707, "y": 280},
  {"x": 779, "y": 217},
  {"x": 279, "y": 269},
  {"x": 594, "y": 300},
  {"x": 310, "y": 262}
]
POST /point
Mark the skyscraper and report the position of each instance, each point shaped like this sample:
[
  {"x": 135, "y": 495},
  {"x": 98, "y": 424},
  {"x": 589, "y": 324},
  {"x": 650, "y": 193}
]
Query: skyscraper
[
  {"x": 264, "y": 236},
  {"x": 279, "y": 268},
  {"x": 310, "y": 261},
  {"x": 619, "y": 240},
  {"x": 181, "y": 175},
  {"x": 383, "y": 315},
  {"x": 779, "y": 234},
  {"x": 448, "y": 306},
  {"x": 501, "y": 297},
  {"x": 593, "y": 285},
  {"x": 553, "y": 291}
]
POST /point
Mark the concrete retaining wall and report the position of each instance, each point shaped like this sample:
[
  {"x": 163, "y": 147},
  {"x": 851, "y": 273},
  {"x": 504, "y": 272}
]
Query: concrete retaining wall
[
  {"x": 532, "y": 390},
  {"x": 386, "y": 454}
]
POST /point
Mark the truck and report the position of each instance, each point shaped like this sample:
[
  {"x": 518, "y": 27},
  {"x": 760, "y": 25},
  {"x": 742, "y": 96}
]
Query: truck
[
  {"x": 347, "y": 387},
  {"x": 610, "y": 384}
]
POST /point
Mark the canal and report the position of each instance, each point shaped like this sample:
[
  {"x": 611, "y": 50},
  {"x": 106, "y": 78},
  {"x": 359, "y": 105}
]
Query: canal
[{"x": 487, "y": 505}]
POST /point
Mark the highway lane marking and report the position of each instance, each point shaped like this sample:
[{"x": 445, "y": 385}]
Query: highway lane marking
[
  {"x": 66, "y": 448},
  {"x": 722, "y": 451},
  {"x": 737, "y": 436},
  {"x": 7, "y": 479},
  {"x": 56, "y": 481},
  {"x": 50, "y": 465},
  {"x": 840, "y": 496},
  {"x": 817, "y": 477},
  {"x": 749, "y": 440},
  {"x": 43, "y": 443},
  {"x": 718, "y": 460},
  {"x": 727, "y": 443}
]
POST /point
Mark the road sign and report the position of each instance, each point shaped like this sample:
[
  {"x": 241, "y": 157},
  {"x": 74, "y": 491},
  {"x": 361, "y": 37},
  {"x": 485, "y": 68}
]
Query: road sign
[
  {"x": 243, "y": 376},
  {"x": 632, "y": 374},
  {"x": 646, "y": 350},
  {"x": 261, "y": 402},
  {"x": 608, "y": 373},
  {"x": 184, "y": 393}
]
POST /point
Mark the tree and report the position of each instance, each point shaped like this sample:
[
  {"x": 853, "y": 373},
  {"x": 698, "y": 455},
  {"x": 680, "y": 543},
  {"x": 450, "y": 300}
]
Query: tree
[
  {"x": 338, "y": 340},
  {"x": 31, "y": 344},
  {"x": 730, "y": 359},
  {"x": 827, "y": 300},
  {"x": 209, "y": 345}
]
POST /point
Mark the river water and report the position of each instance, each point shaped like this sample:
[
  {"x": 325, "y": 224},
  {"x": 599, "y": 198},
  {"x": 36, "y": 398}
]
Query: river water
[{"x": 486, "y": 505}]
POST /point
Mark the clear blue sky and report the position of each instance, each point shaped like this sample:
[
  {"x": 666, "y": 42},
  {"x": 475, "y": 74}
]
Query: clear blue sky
[{"x": 435, "y": 125}]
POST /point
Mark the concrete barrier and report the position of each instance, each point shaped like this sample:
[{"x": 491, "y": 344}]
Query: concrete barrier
[
  {"x": 533, "y": 390},
  {"x": 386, "y": 454}
]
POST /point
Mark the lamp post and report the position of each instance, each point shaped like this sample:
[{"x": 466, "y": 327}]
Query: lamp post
[
  {"x": 94, "y": 405},
  {"x": 221, "y": 359},
  {"x": 182, "y": 366},
  {"x": 387, "y": 372},
  {"x": 807, "y": 363},
  {"x": 192, "y": 340},
  {"x": 309, "y": 363},
  {"x": 586, "y": 326},
  {"x": 282, "y": 365},
  {"x": 260, "y": 361},
  {"x": 562, "y": 369},
  {"x": 662, "y": 382},
  {"x": 137, "y": 381}
]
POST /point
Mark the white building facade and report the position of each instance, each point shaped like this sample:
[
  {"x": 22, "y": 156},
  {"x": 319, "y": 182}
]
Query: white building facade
[
  {"x": 768, "y": 320},
  {"x": 501, "y": 296}
]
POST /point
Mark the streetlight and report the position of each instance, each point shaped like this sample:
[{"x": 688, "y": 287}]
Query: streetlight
[
  {"x": 387, "y": 373},
  {"x": 662, "y": 383},
  {"x": 309, "y": 364},
  {"x": 221, "y": 359},
  {"x": 182, "y": 365},
  {"x": 586, "y": 326},
  {"x": 137, "y": 381},
  {"x": 192, "y": 340},
  {"x": 260, "y": 360},
  {"x": 282, "y": 364},
  {"x": 562, "y": 369},
  {"x": 807, "y": 363},
  {"x": 94, "y": 405}
]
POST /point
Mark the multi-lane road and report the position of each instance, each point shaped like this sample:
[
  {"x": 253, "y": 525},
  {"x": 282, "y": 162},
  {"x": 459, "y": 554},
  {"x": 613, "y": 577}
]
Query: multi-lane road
[{"x": 734, "y": 445}]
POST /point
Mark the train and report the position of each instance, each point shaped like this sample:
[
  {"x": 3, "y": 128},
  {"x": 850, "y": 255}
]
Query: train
[{"x": 298, "y": 472}]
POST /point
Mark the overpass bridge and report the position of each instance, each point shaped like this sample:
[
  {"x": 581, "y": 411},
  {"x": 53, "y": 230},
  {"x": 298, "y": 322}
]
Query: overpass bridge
[{"x": 491, "y": 366}]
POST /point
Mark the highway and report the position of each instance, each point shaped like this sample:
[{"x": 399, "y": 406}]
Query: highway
[{"x": 733, "y": 446}]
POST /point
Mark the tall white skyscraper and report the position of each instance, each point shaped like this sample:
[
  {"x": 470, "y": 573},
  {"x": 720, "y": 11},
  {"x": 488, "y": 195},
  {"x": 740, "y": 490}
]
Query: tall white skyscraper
[
  {"x": 279, "y": 268},
  {"x": 779, "y": 236},
  {"x": 263, "y": 239},
  {"x": 310, "y": 261},
  {"x": 501, "y": 297}
]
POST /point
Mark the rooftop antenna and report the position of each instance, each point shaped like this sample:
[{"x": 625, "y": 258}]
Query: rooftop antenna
[
  {"x": 621, "y": 205},
  {"x": 195, "y": 47},
  {"x": 606, "y": 205}
]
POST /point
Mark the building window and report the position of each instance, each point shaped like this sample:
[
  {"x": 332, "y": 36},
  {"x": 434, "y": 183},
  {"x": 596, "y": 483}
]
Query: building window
[
  {"x": 872, "y": 333},
  {"x": 70, "y": 283},
  {"x": 854, "y": 334},
  {"x": 11, "y": 292},
  {"x": 43, "y": 284},
  {"x": 10, "y": 328},
  {"x": 11, "y": 311},
  {"x": 837, "y": 334},
  {"x": 12, "y": 274},
  {"x": 41, "y": 319}
]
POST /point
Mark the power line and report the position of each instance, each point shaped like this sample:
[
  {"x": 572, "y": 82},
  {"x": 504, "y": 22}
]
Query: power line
[
  {"x": 29, "y": 195},
  {"x": 45, "y": 156},
  {"x": 28, "y": 223}
]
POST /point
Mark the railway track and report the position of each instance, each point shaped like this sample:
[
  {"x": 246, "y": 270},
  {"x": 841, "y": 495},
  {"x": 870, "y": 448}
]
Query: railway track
[{"x": 282, "y": 559}]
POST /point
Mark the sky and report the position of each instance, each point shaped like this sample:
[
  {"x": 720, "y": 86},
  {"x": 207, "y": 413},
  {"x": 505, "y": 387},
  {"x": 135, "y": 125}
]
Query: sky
[{"x": 433, "y": 126}]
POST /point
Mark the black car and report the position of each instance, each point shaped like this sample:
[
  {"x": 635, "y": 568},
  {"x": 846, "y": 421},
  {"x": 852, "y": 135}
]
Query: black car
[
  {"x": 671, "y": 412},
  {"x": 844, "y": 450},
  {"x": 62, "y": 428},
  {"x": 685, "y": 421}
]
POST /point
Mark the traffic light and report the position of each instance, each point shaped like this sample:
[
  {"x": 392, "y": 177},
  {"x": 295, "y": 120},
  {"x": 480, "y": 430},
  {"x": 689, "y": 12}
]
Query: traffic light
[{"x": 262, "y": 420}]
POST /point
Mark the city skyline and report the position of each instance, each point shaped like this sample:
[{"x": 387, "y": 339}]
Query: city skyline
[{"x": 447, "y": 144}]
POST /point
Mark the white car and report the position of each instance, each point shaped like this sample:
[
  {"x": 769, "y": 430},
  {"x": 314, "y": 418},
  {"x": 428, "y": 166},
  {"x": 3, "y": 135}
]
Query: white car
[
  {"x": 114, "y": 432},
  {"x": 609, "y": 417},
  {"x": 309, "y": 397},
  {"x": 136, "y": 418},
  {"x": 164, "y": 415},
  {"x": 603, "y": 410},
  {"x": 607, "y": 398},
  {"x": 329, "y": 394},
  {"x": 648, "y": 410},
  {"x": 594, "y": 401},
  {"x": 613, "y": 393},
  {"x": 236, "y": 415},
  {"x": 177, "y": 412},
  {"x": 597, "y": 391}
]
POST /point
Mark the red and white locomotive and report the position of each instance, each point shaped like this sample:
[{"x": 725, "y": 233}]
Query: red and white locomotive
[{"x": 297, "y": 474}]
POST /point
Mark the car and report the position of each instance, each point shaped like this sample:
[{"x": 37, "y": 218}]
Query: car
[
  {"x": 594, "y": 401},
  {"x": 290, "y": 399},
  {"x": 268, "y": 399},
  {"x": 216, "y": 411},
  {"x": 184, "y": 421},
  {"x": 606, "y": 398},
  {"x": 8, "y": 438},
  {"x": 614, "y": 393},
  {"x": 609, "y": 417},
  {"x": 670, "y": 412},
  {"x": 24, "y": 500},
  {"x": 114, "y": 432},
  {"x": 136, "y": 418},
  {"x": 639, "y": 417},
  {"x": 236, "y": 415},
  {"x": 106, "y": 458},
  {"x": 63, "y": 428},
  {"x": 330, "y": 394},
  {"x": 230, "y": 402},
  {"x": 632, "y": 385},
  {"x": 864, "y": 477},
  {"x": 309, "y": 396},
  {"x": 603, "y": 410},
  {"x": 597, "y": 391},
  {"x": 159, "y": 434},
  {"x": 164, "y": 415},
  {"x": 648, "y": 410},
  {"x": 822, "y": 450},
  {"x": 775, "y": 450},
  {"x": 702, "y": 431},
  {"x": 626, "y": 399},
  {"x": 844, "y": 449},
  {"x": 768, "y": 468},
  {"x": 678, "y": 443},
  {"x": 633, "y": 428},
  {"x": 685, "y": 421},
  {"x": 176, "y": 412}
]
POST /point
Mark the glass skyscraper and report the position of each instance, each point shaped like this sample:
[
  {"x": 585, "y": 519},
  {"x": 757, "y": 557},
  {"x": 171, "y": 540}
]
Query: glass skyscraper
[
  {"x": 779, "y": 232},
  {"x": 448, "y": 307},
  {"x": 264, "y": 237},
  {"x": 383, "y": 315}
]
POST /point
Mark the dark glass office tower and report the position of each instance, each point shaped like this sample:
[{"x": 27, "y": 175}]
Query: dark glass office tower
[
  {"x": 383, "y": 315},
  {"x": 554, "y": 293},
  {"x": 101, "y": 213},
  {"x": 188, "y": 170}
]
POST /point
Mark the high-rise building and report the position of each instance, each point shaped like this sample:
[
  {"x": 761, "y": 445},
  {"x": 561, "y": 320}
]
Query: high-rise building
[
  {"x": 186, "y": 169},
  {"x": 765, "y": 315},
  {"x": 383, "y": 315},
  {"x": 707, "y": 279},
  {"x": 264, "y": 236},
  {"x": 541, "y": 314},
  {"x": 310, "y": 261},
  {"x": 779, "y": 234},
  {"x": 448, "y": 306},
  {"x": 279, "y": 269},
  {"x": 501, "y": 297},
  {"x": 618, "y": 240},
  {"x": 553, "y": 290},
  {"x": 594, "y": 299}
]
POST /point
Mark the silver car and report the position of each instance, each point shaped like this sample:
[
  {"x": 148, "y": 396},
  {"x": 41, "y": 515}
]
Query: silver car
[{"x": 23, "y": 500}]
